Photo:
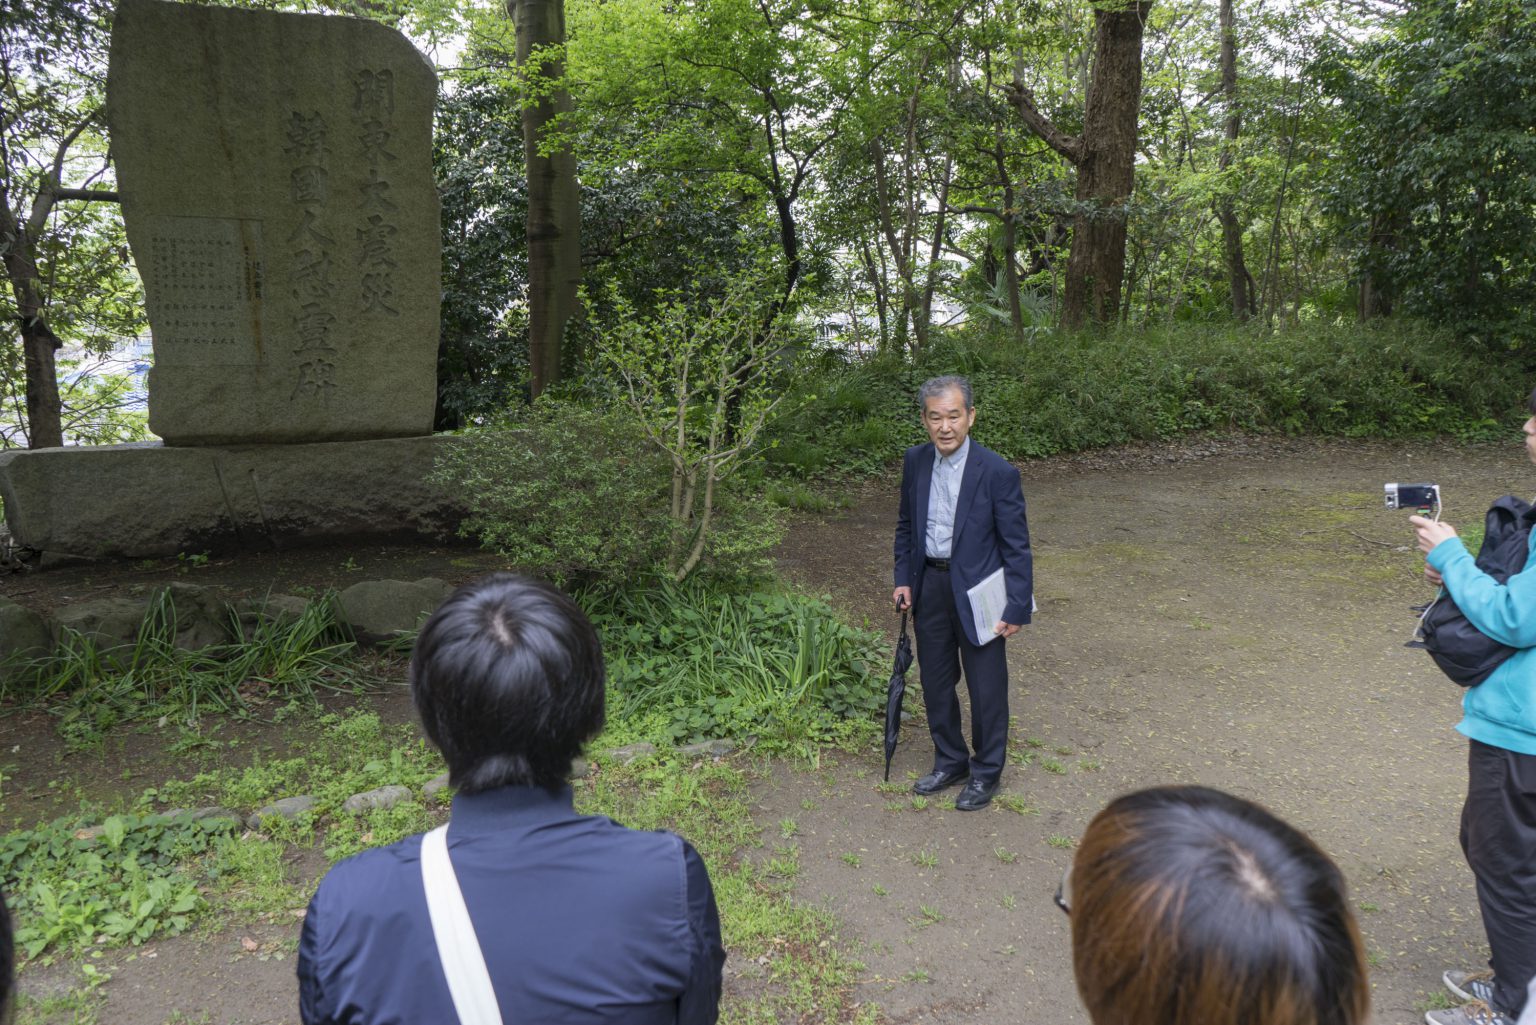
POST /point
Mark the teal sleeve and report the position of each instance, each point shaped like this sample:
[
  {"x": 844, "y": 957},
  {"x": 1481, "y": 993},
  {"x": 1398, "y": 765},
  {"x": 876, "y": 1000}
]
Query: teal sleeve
[{"x": 1506, "y": 612}]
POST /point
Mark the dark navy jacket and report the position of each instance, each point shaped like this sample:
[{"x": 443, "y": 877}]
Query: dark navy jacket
[
  {"x": 990, "y": 531},
  {"x": 580, "y": 920}
]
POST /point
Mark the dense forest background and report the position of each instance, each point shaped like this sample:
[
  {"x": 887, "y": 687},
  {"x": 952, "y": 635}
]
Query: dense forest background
[{"x": 1127, "y": 219}]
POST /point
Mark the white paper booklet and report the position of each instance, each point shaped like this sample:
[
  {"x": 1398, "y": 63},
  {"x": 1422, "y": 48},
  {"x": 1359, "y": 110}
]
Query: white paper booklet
[{"x": 988, "y": 599}]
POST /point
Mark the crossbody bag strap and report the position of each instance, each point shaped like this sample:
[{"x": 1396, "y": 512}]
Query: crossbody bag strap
[{"x": 469, "y": 982}]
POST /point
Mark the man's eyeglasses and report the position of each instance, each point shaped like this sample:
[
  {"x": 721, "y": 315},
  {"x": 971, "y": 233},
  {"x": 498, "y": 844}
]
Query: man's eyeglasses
[{"x": 1064, "y": 891}]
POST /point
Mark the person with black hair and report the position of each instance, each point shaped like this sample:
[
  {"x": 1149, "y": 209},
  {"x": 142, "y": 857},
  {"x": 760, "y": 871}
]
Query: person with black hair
[
  {"x": 519, "y": 905},
  {"x": 1498, "y": 819},
  {"x": 1190, "y": 906}
]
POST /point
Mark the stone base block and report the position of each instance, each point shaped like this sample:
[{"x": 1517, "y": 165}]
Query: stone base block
[{"x": 145, "y": 500}]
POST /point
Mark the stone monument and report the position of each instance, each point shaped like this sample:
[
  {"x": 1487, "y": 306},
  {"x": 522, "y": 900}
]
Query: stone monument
[{"x": 276, "y": 180}]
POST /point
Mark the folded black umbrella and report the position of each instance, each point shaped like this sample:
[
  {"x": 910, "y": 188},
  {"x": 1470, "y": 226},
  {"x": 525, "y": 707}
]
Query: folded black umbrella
[{"x": 893, "y": 694}]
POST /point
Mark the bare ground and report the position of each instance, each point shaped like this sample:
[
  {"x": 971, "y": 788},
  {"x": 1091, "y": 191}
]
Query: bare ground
[{"x": 1230, "y": 613}]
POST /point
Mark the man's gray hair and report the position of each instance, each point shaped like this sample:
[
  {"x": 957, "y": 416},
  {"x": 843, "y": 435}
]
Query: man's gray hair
[{"x": 936, "y": 386}]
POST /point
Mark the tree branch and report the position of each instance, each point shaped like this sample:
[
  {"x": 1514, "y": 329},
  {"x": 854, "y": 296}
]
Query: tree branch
[{"x": 1022, "y": 100}]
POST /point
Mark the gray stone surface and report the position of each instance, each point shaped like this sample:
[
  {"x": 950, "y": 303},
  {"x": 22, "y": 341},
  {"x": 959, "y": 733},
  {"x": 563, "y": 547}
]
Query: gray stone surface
[
  {"x": 277, "y": 189},
  {"x": 23, "y": 635},
  {"x": 383, "y": 797},
  {"x": 147, "y": 499},
  {"x": 108, "y": 623},
  {"x": 287, "y": 808},
  {"x": 283, "y": 609},
  {"x": 434, "y": 786},
  {"x": 378, "y": 610},
  {"x": 707, "y": 749},
  {"x": 211, "y": 811},
  {"x": 201, "y": 618},
  {"x": 580, "y": 768},
  {"x": 631, "y": 752}
]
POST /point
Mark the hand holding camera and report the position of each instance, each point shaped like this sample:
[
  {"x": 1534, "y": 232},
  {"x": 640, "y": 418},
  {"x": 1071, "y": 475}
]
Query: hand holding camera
[{"x": 1426, "y": 499}]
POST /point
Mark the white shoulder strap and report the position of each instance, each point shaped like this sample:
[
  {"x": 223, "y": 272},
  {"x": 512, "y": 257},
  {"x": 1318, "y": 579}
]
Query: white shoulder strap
[{"x": 469, "y": 982}]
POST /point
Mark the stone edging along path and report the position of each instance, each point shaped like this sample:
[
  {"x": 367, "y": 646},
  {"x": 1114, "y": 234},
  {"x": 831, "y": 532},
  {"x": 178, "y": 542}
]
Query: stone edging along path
[{"x": 374, "y": 611}]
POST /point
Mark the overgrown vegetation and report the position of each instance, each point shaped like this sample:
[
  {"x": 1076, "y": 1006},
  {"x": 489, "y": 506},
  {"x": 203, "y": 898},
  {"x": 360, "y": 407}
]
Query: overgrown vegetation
[
  {"x": 92, "y": 687},
  {"x": 1067, "y": 392}
]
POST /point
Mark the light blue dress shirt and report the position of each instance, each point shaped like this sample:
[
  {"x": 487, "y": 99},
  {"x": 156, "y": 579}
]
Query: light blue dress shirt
[{"x": 943, "y": 493}]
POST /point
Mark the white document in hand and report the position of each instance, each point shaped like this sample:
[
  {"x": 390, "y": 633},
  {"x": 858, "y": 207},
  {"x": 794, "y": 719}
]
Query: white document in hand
[{"x": 988, "y": 599}]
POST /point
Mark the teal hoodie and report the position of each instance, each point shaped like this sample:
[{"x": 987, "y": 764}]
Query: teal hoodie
[{"x": 1501, "y": 710}]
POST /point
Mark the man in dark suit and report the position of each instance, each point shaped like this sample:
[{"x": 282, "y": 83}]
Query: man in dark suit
[{"x": 962, "y": 518}]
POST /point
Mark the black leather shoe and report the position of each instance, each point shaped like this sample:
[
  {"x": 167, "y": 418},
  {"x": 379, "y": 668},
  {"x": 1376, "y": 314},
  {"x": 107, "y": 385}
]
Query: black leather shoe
[
  {"x": 976, "y": 795},
  {"x": 936, "y": 781}
]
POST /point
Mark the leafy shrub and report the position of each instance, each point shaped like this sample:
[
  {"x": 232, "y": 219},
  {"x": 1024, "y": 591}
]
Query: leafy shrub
[
  {"x": 577, "y": 494},
  {"x": 563, "y": 491},
  {"x": 72, "y": 888},
  {"x": 1067, "y": 392},
  {"x": 694, "y": 661}
]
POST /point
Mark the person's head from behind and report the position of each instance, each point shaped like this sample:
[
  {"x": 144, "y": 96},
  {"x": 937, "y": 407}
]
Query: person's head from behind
[
  {"x": 1193, "y": 907},
  {"x": 508, "y": 678}
]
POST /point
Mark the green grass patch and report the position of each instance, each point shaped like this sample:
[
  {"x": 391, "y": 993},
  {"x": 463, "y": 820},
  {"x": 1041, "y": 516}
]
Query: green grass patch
[{"x": 696, "y": 661}]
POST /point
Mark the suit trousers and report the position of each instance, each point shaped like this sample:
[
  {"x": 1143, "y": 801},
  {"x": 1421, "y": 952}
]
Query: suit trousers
[
  {"x": 1498, "y": 836},
  {"x": 943, "y": 649}
]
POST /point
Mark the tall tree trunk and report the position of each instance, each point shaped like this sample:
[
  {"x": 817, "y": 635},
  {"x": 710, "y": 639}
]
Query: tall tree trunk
[
  {"x": 931, "y": 279},
  {"x": 1375, "y": 291},
  {"x": 1244, "y": 302},
  {"x": 39, "y": 344},
  {"x": 1105, "y": 157},
  {"x": 554, "y": 200},
  {"x": 1011, "y": 263}
]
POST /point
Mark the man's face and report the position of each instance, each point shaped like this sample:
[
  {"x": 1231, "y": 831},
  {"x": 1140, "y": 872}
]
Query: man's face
[
  {"x": 1530, "y": 438},
  {"x": 948, "y": 421}
]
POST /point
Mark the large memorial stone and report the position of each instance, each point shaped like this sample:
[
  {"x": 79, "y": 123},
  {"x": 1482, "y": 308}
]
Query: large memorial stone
[{"x": 276, "y": 181}]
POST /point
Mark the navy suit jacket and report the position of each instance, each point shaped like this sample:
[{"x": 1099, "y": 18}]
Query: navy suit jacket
[
  {"x": 990, "y": 531},
  {"x": 580, "y": 921}
]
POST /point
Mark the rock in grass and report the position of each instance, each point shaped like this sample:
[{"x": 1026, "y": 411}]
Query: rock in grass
[
  {"x": 200, "y": 618},
  {"x": 379, "y": 610},
  {"x": 287, "y": 808},
  {"x": 383, "y": 797},
  {"x": 282, "y": 609},
  {"x": 579, "y": 768},
  {"x": 211, "y": 811},
  {"x": 434, "y": 786},
  {"x": 629, "y": 752},
  {"x": 23, "y": 635},
  {"x": 108, "y": 623},
  {"x": 707, "y": 749}
]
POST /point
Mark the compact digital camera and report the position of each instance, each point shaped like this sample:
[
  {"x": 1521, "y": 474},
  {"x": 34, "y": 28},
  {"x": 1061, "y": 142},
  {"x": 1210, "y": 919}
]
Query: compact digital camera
[{"x": 1413, "y": 496}]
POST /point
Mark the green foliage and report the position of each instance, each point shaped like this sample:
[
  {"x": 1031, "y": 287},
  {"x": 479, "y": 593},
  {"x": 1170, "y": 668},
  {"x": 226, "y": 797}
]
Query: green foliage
[
  {"x": 693, "y": 661},
  {"x": 92, "y": 689},
  {"x": 698, "y": 373},
  {"x": 563, "y": 491},
  {"x": 1435, "y": 191},
  {"x": 1069, "y": 392},
  {"x": 124, "y": 882}
]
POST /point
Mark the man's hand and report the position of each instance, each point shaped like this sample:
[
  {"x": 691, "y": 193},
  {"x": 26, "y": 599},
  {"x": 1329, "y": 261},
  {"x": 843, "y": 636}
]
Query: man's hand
[
  {"x": 1431, "y": 532},
  {"x": 902, "y": 598},
  {"x": 1005, "y": 629},
  {"x": 1433, "y": 576}
]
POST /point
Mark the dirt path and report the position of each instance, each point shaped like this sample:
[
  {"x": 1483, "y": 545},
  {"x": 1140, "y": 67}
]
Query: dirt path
[
  {"x": 1227, "y": 614},
  {"x": 1235, "y": 620}
]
